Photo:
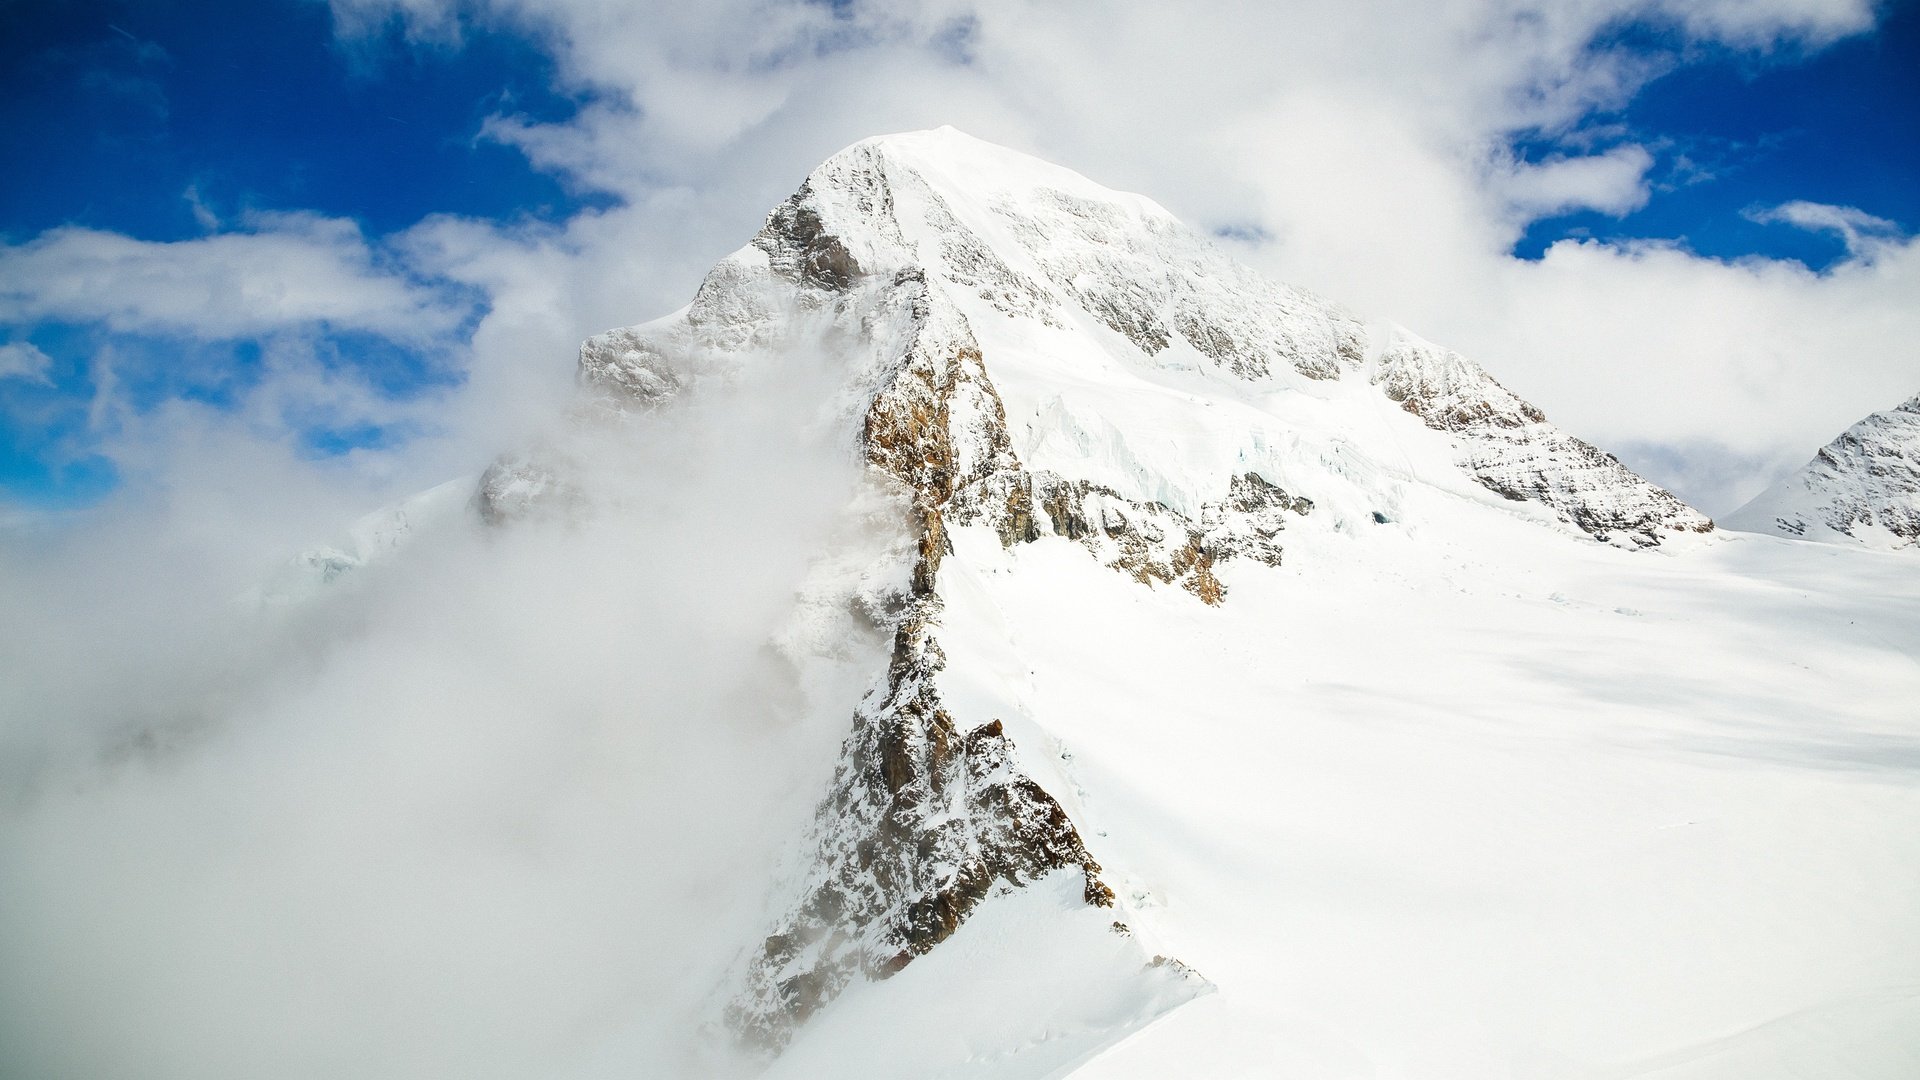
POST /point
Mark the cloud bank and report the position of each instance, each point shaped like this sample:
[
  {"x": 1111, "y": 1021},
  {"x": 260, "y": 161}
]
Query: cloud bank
[
  {"x": 506, "y": 805},
  {"x": 285, "y": 270}
]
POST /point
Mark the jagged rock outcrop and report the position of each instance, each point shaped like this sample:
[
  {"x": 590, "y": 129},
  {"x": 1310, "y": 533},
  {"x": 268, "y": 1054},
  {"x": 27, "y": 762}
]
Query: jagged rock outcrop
[
  {"x": 798, "y": 247},
  {"x": 1863, "y": 487},
  {"x": 1151, "y": 543},
  {"x": 927, "y": 815},
  {"x": 925, "y": 818},
  {"x": 624, "y": 370},
  {"x": 1506, "y": 444},
  {"x": 522, "y": 484}
]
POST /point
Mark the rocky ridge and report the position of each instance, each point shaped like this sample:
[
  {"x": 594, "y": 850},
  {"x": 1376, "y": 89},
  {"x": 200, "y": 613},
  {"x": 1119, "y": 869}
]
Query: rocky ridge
[
  {"x": 1506, "y": 445},
  {"x": 1863, "y": 487},
  {"x": 928, "y": 814}
]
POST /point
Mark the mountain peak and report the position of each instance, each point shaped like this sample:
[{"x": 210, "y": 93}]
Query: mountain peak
[
  {"x": 1861, "y": 488},
  {"x": 1106, "y": 323},
  {"x": 956, "y": 162}
]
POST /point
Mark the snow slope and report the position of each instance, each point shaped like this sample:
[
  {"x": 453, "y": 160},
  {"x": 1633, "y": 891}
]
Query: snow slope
[
  {"x": 1464, "y": 800},
  {"x": 1861, "y": 488}
]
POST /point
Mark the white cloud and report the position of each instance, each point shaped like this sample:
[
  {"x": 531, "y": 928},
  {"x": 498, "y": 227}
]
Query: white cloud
[
  {"x": 23, "y": 360},
  {"x": 1863, "y": 233},
  {"x": 1367, "y": 141},
  {"x": 1751, "y": 24},
  {"x": 286, "y": 270},
  {"x": 1613, "y": 182},
  {"x": 1652, "y": 346},
  {"x": 401, "y": 811},
  {"x": 289, "y": 284}
]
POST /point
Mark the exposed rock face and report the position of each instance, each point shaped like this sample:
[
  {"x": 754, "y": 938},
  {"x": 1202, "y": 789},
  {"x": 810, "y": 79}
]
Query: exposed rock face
[
  {"x": 1151, "y": 543},
  {"x": 625, "y": 367},
  {"x": 924, "y": 820},
  {"x": 800, "y": 249},
  {"x": 523, "y": 484},
  {"x": 1863, "y": 487},
  {"x": 926, "y": 815},
  {"x": 1507, "y": 445}
]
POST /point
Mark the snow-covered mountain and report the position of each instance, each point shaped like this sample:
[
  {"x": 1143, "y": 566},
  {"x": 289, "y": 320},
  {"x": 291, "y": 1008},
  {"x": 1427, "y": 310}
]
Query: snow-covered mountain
[
  {"x": 1033, "y": 358},
  {"x": 1861, "y": 488},
  {"x": 1100, "y": 340},
  {"x": 1218, "y": 640}
]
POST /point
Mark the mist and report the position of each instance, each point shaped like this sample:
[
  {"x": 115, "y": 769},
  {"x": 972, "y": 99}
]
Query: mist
[{"x": 505, "y": 804}]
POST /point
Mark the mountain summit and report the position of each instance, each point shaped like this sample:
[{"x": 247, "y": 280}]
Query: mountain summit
[{"x": 1112, "y": 348}]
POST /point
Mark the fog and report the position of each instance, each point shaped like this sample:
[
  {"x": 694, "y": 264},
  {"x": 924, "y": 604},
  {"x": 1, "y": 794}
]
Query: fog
[{"x": 508, "y": 803}]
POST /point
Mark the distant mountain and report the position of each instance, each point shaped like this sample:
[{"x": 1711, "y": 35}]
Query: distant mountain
[{"x": 1861, "y": 488}]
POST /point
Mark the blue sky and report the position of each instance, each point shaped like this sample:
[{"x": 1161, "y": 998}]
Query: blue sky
[
  {"x": 169, "y": 121},
  {"x": 1735, "y": 132},
  {"x": 233, "y": 142},
  {"x": 124, "y": 107}
]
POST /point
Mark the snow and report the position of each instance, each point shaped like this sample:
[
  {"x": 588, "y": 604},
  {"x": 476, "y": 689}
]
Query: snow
[
  {"x": 1131, "y": 352},
  {"x": 1452, "y": 792},
  {"x": 1446, "y": 794},
  {"x": 1414, "y": 816},
  {"x": 1031, "y": 987}
]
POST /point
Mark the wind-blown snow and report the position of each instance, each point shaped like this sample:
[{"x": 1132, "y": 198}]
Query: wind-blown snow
[{"x": 371, "y": 540}]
